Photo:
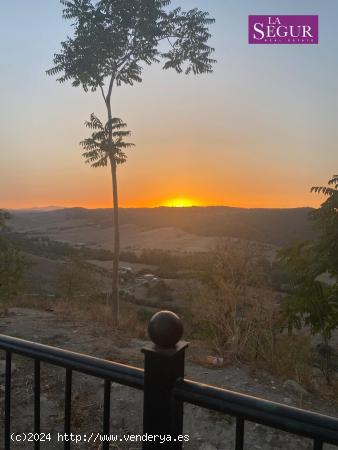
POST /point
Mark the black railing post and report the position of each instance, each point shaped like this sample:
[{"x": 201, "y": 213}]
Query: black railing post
[{"x": 164, "y": 365}]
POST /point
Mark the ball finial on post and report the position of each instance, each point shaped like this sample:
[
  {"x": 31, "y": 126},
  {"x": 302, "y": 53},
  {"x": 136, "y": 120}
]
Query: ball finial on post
[
  {"x": 163, "y": 366},
  {"x": 165, "y": 329}
]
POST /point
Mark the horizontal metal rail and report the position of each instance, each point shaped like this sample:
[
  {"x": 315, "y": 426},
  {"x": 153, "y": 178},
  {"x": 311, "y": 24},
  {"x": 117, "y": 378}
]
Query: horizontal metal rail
[
  {"x": 320, "y": 428},
  {"x": 107, "y": 370},
  {"x": 316, "y": 426}
]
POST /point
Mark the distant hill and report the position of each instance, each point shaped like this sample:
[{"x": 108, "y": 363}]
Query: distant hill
[
  {"x": 273, "y": 226},
  {"x": 37, "y": 209}
]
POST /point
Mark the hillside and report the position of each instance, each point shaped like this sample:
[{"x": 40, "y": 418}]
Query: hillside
[{"x": 277, "y": 227}]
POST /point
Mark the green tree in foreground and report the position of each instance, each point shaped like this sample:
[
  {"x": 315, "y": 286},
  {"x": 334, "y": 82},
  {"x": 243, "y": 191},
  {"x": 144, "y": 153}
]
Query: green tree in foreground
[
  {"x": 312, "y": 302},
  {"x": 12, "y": 267},
  {"x": 12, "y": 264},
  {"x": 4, "y": 216},
  {"x": 112, "y": 42},
  {"x": 326, "y": 222}
]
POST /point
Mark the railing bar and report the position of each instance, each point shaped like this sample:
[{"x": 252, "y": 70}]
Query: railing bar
[
  {"x": 119, "y": 373},
  {"x": 68, "y": 406},
  {"x": 317, "y": 444},
  {"x": 289, "y": 419},
  {"x": 239, "y": 433},
  {"x": 106, "y": 413},
  {"x": 188, "y": 391},
  {"x": 37, "y": 413},
  {"x": 8, "y": 376}
]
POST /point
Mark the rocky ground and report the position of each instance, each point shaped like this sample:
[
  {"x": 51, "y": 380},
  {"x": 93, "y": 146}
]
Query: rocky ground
[{"x": 207, "y": 430}]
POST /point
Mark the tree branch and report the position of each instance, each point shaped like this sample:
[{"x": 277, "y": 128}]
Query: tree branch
[
  {"x": 112, "y": 79},
  {"x": 102, "y": 92},
  {"x": 124, "y": 60},
  {"x": 168, "y": 39}
]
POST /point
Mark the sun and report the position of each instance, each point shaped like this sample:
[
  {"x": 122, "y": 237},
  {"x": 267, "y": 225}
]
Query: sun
[{"x": 180, "y": 202}]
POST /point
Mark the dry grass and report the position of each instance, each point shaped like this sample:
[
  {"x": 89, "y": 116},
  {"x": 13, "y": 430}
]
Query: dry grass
[
  {"x": 238, "y": 315},
  {"x": 286, "y": 357},
  {"x": 85, "y": 310},
  {"x": 101, "y": 314},
  {"x": 257, "y": 344}
]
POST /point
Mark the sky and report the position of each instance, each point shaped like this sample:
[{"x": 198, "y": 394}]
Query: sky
[{"x": 258, "y": 132}]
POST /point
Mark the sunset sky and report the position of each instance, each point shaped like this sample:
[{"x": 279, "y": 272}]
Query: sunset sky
[{"x": 259, "y": 132}]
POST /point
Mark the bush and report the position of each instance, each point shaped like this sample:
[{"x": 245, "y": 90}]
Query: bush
[
  {"x": 236, "y": 302},
  {"x": 144, "y": 315},
  {"x": 286, "y": 356}
]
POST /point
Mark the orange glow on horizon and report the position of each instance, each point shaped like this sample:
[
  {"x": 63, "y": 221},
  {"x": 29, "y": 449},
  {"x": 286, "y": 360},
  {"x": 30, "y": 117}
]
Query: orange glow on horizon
[
  {"x": 174, "y": 202},
  {"x": 180, "y": 202}
]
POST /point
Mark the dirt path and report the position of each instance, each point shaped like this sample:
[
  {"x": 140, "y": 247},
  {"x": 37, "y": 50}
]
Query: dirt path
[{"x": 206, "y": 430}]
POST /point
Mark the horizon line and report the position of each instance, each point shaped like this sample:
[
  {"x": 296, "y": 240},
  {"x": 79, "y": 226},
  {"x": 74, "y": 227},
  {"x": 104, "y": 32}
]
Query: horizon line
[{"x": 55, "y": 208}]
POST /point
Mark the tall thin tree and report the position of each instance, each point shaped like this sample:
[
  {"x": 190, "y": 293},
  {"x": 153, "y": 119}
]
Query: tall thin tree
[
  {"x": 112, "y": 42},
  {"x": 107, "y": 146}
]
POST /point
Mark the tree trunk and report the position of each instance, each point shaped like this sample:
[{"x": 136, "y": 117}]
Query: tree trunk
[{"x": 115, "y": 281}]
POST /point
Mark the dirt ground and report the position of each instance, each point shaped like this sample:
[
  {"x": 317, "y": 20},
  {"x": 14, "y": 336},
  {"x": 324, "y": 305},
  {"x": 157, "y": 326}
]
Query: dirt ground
[{"x": 207, "y": 430}]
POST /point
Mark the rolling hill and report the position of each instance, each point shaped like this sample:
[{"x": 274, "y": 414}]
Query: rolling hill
[{"x": 278, "y": 227}]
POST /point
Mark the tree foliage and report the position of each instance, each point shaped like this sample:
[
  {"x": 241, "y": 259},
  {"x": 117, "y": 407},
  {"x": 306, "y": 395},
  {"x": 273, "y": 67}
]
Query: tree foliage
[
  {"x": 312, "y": 302},
  {"x": 117, "y": 38},
  {"x": 12, "y": 264},
  {"x": 4, "y": 217},
  {"x": 98, "y": 149},
  {"x": 326, "y": 222}
]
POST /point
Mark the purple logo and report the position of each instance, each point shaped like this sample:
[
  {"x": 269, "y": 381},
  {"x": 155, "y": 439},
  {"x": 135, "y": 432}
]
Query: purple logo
[{"x": 283, "y": 30}]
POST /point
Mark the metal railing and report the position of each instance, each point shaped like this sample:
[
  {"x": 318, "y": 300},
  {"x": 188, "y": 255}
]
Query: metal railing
[
  {"x": 320, "y": 428},
  {"x": 165, "y": 391},
  {"x": 105, "y": 370}
]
